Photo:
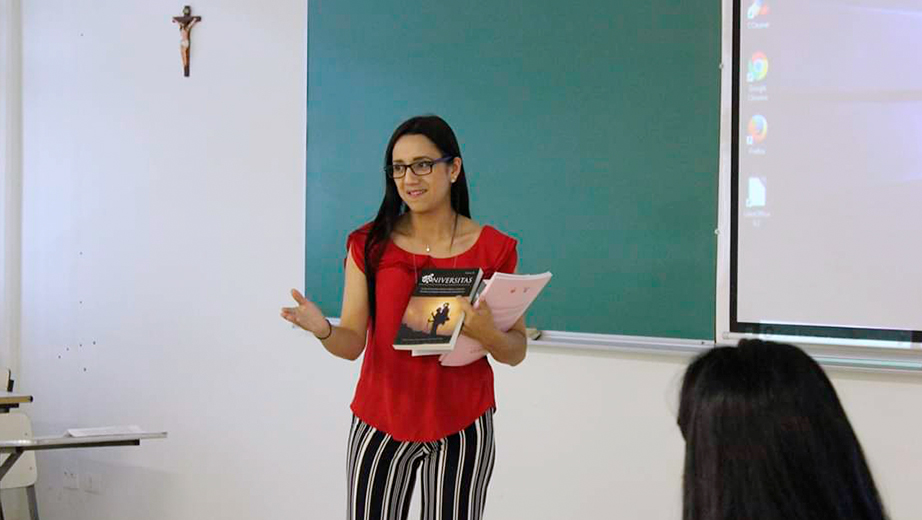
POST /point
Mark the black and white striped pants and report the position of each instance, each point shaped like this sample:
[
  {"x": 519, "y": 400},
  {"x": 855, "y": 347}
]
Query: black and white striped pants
[{"x": 455, "y": 474}]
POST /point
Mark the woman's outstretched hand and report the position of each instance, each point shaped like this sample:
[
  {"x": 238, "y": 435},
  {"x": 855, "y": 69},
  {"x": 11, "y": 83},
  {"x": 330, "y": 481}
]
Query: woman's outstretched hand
[{"x": 306, "y": 315}]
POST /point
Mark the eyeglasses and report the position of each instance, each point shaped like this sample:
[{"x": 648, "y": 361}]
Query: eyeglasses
[{"x": 396, "y": 171}]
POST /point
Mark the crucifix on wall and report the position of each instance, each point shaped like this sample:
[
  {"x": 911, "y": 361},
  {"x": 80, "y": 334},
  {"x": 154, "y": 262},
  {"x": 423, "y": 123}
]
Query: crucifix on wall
[{"x": 186, "y": 22}]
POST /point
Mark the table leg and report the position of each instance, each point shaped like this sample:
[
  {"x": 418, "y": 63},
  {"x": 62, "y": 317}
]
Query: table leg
[{"x": 33, "y": 503}]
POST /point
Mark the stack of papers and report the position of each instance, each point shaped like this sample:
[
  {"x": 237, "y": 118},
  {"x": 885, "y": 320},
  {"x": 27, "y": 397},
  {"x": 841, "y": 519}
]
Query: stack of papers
[{"x": 103, "y": 430}]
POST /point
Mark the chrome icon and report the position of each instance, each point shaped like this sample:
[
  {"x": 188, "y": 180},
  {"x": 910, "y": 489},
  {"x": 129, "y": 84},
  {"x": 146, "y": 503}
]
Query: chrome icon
[{"x": 758, "y": 67}]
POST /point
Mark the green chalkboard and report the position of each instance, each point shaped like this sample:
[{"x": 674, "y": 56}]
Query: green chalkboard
[{"x": 589, "y": 131}]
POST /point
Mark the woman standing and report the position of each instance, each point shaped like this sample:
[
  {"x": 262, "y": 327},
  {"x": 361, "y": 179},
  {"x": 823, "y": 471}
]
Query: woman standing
[{"x": 411, "y": 412}]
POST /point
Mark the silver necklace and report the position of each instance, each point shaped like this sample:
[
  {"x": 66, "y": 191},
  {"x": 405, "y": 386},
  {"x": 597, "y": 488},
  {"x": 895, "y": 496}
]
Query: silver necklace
[{"x": 451, "y": 244}]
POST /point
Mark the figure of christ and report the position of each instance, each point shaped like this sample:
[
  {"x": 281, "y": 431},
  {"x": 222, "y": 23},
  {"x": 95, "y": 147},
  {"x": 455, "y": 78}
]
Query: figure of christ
[{"x": 186, "y": 23}]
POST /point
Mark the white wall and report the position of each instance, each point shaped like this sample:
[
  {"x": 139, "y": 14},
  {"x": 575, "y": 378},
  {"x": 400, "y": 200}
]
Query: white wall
[
  {"x": 162, "y": 226},
  {"x": 10, "y": 179},
  {"x": 10, "y": 200}
]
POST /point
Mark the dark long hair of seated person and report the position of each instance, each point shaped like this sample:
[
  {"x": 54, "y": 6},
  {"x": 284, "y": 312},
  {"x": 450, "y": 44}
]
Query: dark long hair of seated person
[{"x": 766, "y": 438}]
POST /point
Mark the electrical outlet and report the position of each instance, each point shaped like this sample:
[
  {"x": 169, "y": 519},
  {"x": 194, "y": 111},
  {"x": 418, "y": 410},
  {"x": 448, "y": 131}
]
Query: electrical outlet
[{"x": 70, "y": 479}]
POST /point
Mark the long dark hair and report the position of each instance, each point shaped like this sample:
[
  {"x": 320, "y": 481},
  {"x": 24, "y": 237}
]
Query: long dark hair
[
  {"x": 766, "y": 438},
  {"x": 392, "y": 207}
]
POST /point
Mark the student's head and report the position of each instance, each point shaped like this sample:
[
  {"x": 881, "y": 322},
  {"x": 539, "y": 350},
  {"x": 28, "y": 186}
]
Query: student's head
[
  {"x": 437, "y": 177},
  {"x": 766, "y": 438}
]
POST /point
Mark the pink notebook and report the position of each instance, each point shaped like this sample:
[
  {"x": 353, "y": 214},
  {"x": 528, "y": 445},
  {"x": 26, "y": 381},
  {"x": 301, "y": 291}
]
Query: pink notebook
[{"x": 509, "y": 296}]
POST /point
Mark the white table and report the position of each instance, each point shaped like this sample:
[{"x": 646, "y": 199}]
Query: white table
[
  {"x": 66, "y": 441},
  {"x": 16, "y": 447}
]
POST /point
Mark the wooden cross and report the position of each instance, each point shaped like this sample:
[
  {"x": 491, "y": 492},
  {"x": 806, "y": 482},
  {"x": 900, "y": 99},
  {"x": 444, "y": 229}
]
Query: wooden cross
[{"x": 186, "y": 22}]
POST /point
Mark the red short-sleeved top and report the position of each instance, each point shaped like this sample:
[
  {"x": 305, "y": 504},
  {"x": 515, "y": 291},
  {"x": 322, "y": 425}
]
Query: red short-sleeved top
[{"x": 416, "y": 398}]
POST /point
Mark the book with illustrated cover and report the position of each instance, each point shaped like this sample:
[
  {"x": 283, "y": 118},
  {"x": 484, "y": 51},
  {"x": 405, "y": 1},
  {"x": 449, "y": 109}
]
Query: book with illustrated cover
[
  {"x": 424, "y": 352},
  {"x": 431, "y": 321},
  {"x": 509, "y": 296}
]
